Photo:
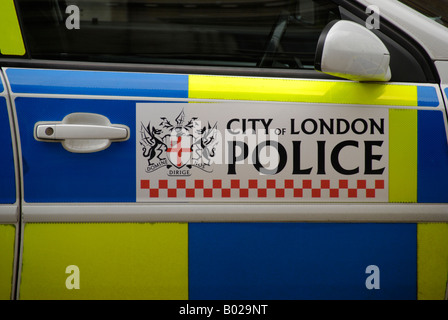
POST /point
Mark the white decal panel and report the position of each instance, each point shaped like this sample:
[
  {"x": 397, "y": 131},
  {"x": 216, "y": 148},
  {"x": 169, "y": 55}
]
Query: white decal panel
[{"x": 243, "y": 152}]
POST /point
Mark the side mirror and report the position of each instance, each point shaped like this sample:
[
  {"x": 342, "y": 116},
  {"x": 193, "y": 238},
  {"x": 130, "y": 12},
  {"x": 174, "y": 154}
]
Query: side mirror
[{"x": 348, "y": 50}]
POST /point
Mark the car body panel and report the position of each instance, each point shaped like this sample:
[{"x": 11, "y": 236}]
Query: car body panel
[
  {"x": 9, "y": 215},
  {"x": 114, "y": 260},
  {"x": 230, "y": 261},
  {"x": 7, "y": 179},
  {"x": 108, "y": 176},
  {"x": 86, "y": 187}
]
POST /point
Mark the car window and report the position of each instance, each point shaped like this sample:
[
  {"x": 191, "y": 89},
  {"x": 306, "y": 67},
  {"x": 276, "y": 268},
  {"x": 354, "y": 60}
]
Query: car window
[{"x": 238, "y": 33}]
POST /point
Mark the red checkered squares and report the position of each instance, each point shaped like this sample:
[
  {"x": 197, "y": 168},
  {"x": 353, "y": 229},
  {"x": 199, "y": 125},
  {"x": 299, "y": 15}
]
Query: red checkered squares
[
  {"x": 235, "y": 184},
  {"x": 262, "y": 189},
  {"x": 325, "y": 184},
  {"x": 181, "y": 184},
  {"x": 190, "y": 193},
  {"x": 253, "y": 184},
  {"x": 226, "y": 193}
]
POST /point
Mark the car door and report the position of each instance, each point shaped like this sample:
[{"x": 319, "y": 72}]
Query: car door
[{"x": 153, "y": 171}]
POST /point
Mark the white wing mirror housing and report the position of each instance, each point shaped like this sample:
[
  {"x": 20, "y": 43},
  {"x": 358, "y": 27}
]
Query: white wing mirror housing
[{"x": 348, "y": 50}]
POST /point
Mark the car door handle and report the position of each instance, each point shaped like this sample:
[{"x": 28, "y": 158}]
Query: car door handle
[{"x": 81, "y": 132}]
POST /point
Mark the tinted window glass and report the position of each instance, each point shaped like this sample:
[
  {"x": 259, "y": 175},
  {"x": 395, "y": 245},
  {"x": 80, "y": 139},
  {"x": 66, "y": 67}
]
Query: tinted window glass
[{"x": 249, "y": 33}]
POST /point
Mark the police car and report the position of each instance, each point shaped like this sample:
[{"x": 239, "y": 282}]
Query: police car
[{"x": 243, "y": 149}]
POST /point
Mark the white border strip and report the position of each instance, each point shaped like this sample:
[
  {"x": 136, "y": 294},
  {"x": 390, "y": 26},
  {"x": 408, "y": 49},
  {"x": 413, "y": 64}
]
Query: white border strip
[
  {"x": 273, "y": 212},
  {"x": 9, "y": 213}
]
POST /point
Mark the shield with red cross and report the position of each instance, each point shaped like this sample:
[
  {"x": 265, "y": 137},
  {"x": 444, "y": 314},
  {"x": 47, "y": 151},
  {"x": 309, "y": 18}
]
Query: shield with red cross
[{"x": 179, "y": 149}]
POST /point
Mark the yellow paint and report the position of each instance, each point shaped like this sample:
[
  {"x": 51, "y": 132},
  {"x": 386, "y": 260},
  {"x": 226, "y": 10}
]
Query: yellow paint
[
  {"x": 7, "y": 240},
  {"x": 11, "y": 42},
  {"x": 432, "y": 263},
  {"x": 115, "y": 260},
  {"x": 294, "y": 90},
  {"x": 402, "y": 155}
]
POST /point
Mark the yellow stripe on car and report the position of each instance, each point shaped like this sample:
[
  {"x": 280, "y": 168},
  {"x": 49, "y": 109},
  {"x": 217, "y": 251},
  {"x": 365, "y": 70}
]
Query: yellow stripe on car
[
  {"x": 11, "y": 42},
  {"x": 105, "y": 261},
  {"x": 402, "y": 155},
  {"x": 432, "y": 264},
  {"x": 299, "y": 90},
  {"x": 7, "y": 240}
]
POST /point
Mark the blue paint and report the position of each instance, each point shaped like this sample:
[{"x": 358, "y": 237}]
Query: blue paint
[
  {"x": 97, "y": 83},
  {"x": 432, "y": 160},
  {"x": 300, "y": 260},
  {"x": 7, "y": 170},
  {"x": 427, "y": 96},
  {"x": 52, "y": 174}
]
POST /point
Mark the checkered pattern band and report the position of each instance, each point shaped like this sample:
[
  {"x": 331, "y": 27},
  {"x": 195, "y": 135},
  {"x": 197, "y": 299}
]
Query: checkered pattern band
[{"x": 235, "y": 188}]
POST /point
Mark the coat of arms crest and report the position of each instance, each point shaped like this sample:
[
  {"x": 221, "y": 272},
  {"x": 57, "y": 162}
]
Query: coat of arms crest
[{"x": 180, "y": 145}]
